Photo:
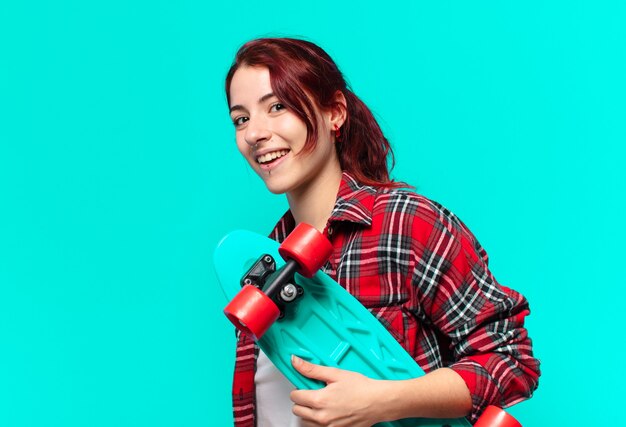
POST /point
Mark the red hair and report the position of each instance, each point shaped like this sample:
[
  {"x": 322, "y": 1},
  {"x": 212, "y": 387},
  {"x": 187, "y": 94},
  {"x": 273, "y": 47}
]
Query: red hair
[{"x": 300, "y": 70}]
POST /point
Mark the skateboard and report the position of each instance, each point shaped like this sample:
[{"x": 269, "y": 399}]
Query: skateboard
[{"x": 278, "y": 296}]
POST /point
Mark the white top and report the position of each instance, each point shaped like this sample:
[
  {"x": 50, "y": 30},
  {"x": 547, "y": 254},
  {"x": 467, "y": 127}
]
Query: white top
[{"x": 274, "y": 407}]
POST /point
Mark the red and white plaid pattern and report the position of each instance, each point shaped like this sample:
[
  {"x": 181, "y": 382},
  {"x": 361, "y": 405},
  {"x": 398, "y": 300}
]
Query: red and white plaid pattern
[{"x": 423, "y": 274}]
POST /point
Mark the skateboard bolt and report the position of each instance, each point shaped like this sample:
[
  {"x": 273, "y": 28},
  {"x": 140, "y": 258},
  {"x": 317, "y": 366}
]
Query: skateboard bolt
[
  {"x": 267, "y": 259},
  {"x": 289, "y": 293},
  {"x": 247, "y": 282}
]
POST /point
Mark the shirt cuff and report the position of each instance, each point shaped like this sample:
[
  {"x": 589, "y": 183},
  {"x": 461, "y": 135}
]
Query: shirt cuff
[{"x": 481, "y": 385}]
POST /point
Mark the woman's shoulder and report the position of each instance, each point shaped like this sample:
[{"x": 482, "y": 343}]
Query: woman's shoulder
[
  {"x": 411, "y": 206},
  {"x": 403, "y": 198},
  {"x": 400, "y": 208}
]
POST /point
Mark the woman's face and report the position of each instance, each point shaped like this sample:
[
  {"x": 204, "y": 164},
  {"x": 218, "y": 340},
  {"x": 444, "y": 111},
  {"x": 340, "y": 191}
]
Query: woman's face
[{"x": 271, "y": 137}]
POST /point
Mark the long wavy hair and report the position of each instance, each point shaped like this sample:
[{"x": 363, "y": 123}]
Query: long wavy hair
[{"x": 301, "y": 74}]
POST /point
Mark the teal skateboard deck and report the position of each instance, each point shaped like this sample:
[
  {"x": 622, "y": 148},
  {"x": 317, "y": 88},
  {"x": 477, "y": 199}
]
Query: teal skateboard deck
[{"x": 325, "y": 325}]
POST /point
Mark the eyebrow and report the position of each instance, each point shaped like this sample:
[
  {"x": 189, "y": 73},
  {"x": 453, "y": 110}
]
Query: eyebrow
[{"x": 260, "y": 101}]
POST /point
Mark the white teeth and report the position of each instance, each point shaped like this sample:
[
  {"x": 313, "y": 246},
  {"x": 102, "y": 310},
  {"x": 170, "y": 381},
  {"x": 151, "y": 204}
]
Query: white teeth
[{"x": 271, "y": 156}]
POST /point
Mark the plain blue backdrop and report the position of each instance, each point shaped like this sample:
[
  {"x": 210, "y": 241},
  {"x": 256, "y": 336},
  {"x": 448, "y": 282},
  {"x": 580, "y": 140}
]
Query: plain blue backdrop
[{"x": 119, "y": 174}]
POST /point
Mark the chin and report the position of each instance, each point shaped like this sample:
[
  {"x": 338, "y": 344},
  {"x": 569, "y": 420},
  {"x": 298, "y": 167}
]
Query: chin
[
  {"x": 276, "y": 187},
  {"x": 280, "y": 182}
]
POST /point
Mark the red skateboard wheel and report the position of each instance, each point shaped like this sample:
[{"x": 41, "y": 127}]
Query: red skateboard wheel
[
  {"x": 307, "y": 247},
  {"x": 252, "y": 312},
  {"x": 496, "y": 417}
]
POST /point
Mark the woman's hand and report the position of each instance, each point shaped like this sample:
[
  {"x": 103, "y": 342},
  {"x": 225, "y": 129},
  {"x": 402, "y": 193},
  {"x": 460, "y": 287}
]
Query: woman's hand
[
  {"x": 349, "y": 398},
  {"x": 352, "y": 399}
]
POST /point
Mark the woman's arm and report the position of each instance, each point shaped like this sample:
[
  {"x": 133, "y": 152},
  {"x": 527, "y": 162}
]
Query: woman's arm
[
  {"x": 483, "y": 321},
  {"x": 351, "y": 399}
]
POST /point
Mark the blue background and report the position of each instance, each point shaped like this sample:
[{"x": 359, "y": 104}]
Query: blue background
[{"x": 119, "y": 174}]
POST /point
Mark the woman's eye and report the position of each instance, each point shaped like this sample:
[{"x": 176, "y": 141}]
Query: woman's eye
[
  {"x": 277, "y": 107},
  {"x": 240, "y": 120}
]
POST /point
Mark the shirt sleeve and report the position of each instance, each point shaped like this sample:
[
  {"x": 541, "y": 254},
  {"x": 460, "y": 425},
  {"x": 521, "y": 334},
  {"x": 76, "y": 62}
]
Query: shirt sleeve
[{"x": 483, "y": 320}]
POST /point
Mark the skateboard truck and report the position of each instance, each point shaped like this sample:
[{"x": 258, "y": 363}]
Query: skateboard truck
[
  {"x": 259, "y": 272},
  {"x": 278, "y": 285},
  {"x": 266, "y": 290}
]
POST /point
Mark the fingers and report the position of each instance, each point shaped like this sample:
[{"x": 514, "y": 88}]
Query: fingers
[
  {"x": 303, "y": 412},
  {"x": 306, "y": 398},
  {"x": 341, "y": 402},
  {"x": 316, "y": 372},
  {"x": 309, "y": 417}
]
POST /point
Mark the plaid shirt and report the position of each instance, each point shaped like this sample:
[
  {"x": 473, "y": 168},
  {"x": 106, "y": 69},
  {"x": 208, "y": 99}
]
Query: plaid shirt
[{"x": 423, "y": 274}]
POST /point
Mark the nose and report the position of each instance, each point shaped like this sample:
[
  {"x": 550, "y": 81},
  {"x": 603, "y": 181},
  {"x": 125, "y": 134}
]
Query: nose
[{"x": 257, "y": 131}]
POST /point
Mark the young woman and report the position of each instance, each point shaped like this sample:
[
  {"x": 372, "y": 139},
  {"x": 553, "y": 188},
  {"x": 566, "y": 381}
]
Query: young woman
[{"x": 410, "y": 261}]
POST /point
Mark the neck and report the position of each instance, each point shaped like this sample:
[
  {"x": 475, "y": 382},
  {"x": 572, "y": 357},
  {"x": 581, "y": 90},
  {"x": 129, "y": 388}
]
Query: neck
[{"x": 314, "y": 203}]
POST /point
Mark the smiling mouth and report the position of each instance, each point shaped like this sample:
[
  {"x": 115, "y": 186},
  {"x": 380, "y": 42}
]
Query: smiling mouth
[{"x": 268, "y": 158}]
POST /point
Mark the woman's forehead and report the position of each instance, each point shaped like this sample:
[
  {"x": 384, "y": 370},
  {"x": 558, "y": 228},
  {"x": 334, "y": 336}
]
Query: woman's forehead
[{"x": 249, "y": 84}]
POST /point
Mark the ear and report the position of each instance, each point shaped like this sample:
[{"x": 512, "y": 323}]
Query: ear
[{"x": 339, "y": 111}]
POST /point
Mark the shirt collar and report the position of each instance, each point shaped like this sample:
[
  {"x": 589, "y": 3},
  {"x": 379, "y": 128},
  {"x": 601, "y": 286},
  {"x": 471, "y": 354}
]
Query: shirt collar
[{"x": 354, "y": 202}]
